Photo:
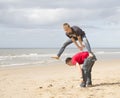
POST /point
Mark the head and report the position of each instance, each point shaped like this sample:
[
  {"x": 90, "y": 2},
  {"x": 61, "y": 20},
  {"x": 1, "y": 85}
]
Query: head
[
  {"x": 67, "y": 28},
  {"x": 68, "y": 61}
]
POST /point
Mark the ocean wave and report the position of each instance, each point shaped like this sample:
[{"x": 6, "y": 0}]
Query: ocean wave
[
  {"x": 28, "y": 63},
  {"x": 39, "y": 59},
  {"x": 100, "y": 52},
  {"x": 103, "y": 52},
  {"x": 26, "y": 56},
  {"x": 35, "y": 55}
]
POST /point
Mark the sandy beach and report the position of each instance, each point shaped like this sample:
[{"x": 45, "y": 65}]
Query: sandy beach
[{"x": 59, "y": 81}]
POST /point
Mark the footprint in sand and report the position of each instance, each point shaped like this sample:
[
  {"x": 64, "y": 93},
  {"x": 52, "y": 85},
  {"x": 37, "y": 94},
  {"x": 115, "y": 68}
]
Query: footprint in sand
[
  {"x": 50, "y": 85},
  {"x": 63, "y": 88},
  {"x": 52, "y": 97},
  {"x": 72, "y": 86}
]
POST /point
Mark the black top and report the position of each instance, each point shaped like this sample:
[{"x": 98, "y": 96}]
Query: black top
[{"x": 76, "y": 31}]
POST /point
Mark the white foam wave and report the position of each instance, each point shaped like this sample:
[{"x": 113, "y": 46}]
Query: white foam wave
[
  {"x": 45, "y": 56},
  {"x": 30, "y": 63},
  {"x": 48, "y": 55},
  {"x": 102, "y": 52},
  {"x": 25, "y": 56}
]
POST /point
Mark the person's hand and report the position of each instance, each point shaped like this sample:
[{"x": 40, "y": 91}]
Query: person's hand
[
  {"x": 90, "y": 55},
  {"x": 81, "y": 48}
]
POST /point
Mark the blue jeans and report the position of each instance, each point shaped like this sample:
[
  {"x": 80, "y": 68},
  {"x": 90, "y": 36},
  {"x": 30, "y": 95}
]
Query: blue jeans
[{"x": 87, "y": 45}]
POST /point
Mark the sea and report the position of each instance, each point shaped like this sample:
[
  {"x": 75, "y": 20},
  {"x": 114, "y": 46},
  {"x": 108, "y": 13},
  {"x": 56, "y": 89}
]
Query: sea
[{"x": 42, "y": 56}]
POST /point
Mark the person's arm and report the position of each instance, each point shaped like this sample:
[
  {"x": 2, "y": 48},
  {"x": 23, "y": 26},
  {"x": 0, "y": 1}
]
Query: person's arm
[
  {"x": 80, "y": 41},
  {"x": 74, "y": 41},
  {"x": 79, "y": 68}
]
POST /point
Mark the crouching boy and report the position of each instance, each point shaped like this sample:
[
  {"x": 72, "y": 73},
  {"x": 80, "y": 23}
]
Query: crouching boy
[{"x": 84, "y": 61}]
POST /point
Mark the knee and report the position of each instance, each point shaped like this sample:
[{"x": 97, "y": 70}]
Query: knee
[{"x": 84, "y": 69}]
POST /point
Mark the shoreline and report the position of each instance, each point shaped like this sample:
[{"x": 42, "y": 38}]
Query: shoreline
[{"x": 52, "y": 64}]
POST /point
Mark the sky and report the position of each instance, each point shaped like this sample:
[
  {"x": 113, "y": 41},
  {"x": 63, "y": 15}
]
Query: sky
[{"x": 38, "y": 23}]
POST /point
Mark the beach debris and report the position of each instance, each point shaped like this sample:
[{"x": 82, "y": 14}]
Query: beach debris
[
  {"x": 63, "y": 87},
  {"x": 52, "y": 97},
  {"x": 50, "y": 85},
  {"x": 72, "y": 86},
  {"x": 40, "y": 87}
]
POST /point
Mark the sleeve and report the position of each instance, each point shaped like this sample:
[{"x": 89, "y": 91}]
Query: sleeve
[
  {"x": 74, "y": 62},
  {"x": 78, "y": 31}
]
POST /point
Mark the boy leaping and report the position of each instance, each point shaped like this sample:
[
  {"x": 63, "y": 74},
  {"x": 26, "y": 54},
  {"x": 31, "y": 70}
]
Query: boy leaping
[{"x": 74, "y": 34}]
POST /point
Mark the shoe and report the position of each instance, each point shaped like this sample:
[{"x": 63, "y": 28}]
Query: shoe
[
  {"x": 55, "y": 57},
  {"x": 89, "y": 84},
  {"x": 83, "y": 84}
]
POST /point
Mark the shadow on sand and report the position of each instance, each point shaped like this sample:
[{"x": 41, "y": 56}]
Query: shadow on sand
[{"x": 107, "y": 84}]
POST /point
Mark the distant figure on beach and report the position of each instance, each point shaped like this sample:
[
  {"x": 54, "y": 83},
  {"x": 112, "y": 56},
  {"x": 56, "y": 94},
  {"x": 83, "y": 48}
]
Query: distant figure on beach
[
  {"x": 84, "y": 61},
  {"x": 74, "y": 33}
]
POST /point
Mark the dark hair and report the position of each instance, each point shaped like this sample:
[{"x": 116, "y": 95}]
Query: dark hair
[
  {"x": 66, "y": 24},
  {"x": 68, "y": 59}
]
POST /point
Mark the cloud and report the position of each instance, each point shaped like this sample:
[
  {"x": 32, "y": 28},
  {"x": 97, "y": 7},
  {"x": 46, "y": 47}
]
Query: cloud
[
  {"x": 33, "y": 14},
  {"x": 33, "y": 17},
  {"x": 19, "y": 17},
  {"x": 60, "y": 3}
]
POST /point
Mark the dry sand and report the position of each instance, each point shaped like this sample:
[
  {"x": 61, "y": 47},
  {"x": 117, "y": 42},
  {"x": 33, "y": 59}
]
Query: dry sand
[{"x": 59, "y": 81}]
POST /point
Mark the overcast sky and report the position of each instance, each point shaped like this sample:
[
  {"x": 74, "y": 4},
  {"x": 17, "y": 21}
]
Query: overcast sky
[{"x": 38, "y": 23}]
